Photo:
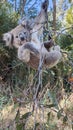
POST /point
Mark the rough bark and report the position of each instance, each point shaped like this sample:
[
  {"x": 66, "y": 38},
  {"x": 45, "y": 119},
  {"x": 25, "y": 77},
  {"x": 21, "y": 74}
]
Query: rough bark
[{"x": 54, "y": 15}]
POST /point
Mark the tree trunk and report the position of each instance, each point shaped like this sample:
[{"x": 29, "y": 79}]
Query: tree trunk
[
  {"x": 22, "y": 4},
  {"x": 15, "y": 5},
  {"x": 54, "y": 15}
]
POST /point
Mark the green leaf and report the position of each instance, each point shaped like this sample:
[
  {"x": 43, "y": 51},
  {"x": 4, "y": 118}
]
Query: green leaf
[
  {"x": 36, "y": 125},
  {"x": 48, "y": 116},
  {"x": 26, "y": 115},
  {"x": 20, "y": 126},
  {"x": 65, "y": 119},
  {"x": 70, "y": 1},
  {"x": 17, "y": 118},
  {"x": 59, "y": 114},
  {"x": 50, "y": 105},
  {"x": 52, "y": 96}
]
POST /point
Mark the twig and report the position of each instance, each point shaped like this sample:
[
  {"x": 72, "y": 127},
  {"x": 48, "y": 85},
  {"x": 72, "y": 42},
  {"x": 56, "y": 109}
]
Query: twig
[
  {"x": 64, "y": 30},
  {"x": 39, "y": 85},
  {"x": 45, "y": 88}
]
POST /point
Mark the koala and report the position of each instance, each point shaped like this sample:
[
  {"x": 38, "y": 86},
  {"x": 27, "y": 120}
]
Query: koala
[
  {"x": 28, "y": 39},
  {"x": 51, "y": 57}
]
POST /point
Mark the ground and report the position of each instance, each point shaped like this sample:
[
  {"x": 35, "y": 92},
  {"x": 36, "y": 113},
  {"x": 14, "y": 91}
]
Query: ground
[{"x": 8, "y": 115}]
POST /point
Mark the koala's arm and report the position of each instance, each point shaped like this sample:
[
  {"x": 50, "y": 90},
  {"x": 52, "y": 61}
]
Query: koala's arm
[
  {"x": 37, "y": 30},
  {"x": 51, "y": 58},
  {"x": 41, "y": 18},
  {"x": 25, "y": 51}
]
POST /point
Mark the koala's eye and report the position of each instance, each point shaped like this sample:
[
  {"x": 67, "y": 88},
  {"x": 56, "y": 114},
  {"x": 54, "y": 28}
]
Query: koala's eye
[
  {"x": 22, "y": 37},
  {"x": 24, "y": 26},
  {"x": 24, "y": 32},
  {"x": 16, "y": 36},
  {"x": 21, "y": 34}
]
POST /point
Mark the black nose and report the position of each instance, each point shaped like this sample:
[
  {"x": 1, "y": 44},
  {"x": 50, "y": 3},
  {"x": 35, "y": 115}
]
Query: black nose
[{"x": 22, "y": 38}]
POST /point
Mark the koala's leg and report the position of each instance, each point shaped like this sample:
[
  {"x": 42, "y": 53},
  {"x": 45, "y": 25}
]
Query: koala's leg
[
  {"x": 32, "y": 48},
  {"x": 53, "y": 57},
  {"x": 23, "y": 54},
  {"x": 25, "y": 51}
]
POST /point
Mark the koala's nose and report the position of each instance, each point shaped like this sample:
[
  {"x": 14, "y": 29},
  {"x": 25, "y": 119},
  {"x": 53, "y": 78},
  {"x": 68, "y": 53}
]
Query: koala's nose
[{"x": 22, "y": 38}]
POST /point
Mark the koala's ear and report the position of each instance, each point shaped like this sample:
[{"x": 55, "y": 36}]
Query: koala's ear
[
  {"x": 23, "y": 23},
  {"x": 8, "y": 38},
  {"x": 45, "y": 5}
]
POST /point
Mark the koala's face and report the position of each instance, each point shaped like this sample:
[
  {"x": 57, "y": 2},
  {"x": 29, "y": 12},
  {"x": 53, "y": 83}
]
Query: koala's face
[{"x": 17, "y": 36}]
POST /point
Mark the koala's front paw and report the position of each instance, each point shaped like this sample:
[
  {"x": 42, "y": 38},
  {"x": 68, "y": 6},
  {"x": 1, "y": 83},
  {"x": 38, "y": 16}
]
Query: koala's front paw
[{"x": 24, "y": 54}]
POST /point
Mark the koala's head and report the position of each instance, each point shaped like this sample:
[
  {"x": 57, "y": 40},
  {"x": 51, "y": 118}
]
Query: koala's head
[{"x": 17, "y": 36}]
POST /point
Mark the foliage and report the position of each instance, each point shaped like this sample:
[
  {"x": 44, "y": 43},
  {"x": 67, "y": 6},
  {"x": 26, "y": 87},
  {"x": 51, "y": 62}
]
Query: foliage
[
  {"x": 66, "y": 41},
  {"x": 69, "y": 17},
  {"x": 8, "y": 18},
  {"x": 69, "y": 20}
]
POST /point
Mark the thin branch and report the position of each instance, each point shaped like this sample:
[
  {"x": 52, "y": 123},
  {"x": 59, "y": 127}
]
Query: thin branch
[{"x": 64, "y": 30}]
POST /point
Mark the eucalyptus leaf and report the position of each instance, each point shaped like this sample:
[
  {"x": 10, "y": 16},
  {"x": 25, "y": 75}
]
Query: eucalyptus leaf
[
  {"x": 26, "y": 115},
  {"x": 59, "y": 115},
  {"x": 48, "y": 115},
  {"x": 17, "y": 118},
  {"x": 20, "y": 126},
  {"x": 65, "y": 119}
]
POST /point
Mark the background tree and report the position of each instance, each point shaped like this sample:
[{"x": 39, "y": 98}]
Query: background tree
[{"x": 54, "y": 15}]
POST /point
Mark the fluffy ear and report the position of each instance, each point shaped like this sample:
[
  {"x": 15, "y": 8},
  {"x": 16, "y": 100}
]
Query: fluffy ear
[
  {"x": 8, "y": 38},
  {"x": 45, "y": 5},
  {"x": 24, "y": 22},
  {"x": 48, "y": 44}
]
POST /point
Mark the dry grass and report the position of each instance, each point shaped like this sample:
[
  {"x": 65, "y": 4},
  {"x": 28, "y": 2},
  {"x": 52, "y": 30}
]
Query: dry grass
[{"x": 8, "y": 115}]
